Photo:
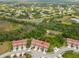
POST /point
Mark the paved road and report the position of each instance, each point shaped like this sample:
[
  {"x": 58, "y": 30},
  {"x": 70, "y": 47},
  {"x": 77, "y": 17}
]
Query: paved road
[
  {"x": 9, "y": 53},
  {"x": 36, "y": 54},
  {"x": 61, "y": 51}
]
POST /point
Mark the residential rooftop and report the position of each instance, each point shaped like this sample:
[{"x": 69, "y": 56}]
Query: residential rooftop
[
  {"x": 73, "y": 41},
  {"x": 39, "y": 43},
  {"x": 19, "y": 42}
]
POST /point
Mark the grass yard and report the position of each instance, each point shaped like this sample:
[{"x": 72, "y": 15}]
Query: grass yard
[
  {"x": 5, "y": 47},
  {"x": 71, "y": 54},
  {"x": 66, "y": 23},
  {"x": 76, "y": 16},
  {"x": 66, "y": 20},
  {"x": 7, "y": 26}
]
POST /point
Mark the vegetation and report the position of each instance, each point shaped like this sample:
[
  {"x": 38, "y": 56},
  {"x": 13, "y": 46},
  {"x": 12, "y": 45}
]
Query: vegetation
[
  {"x": 28, "y": 55},
  {"x": 53, "y": 18},
  {"x": 71, "y": 54}
]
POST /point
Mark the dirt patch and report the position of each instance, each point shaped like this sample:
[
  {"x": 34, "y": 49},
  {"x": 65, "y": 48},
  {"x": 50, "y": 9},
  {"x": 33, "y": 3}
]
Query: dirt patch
[
  {"x": 7, "y": 26},
  {"x": 5, "y": 47}
]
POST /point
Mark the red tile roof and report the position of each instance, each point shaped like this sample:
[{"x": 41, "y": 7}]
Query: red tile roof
[
  {"x": 73, "y": 41},
  {"x": 19, "y": 42},
  {"x": 40, "y": 43}
]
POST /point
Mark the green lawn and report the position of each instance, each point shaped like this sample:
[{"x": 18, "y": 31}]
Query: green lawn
[{"x": 71, "y": 54}]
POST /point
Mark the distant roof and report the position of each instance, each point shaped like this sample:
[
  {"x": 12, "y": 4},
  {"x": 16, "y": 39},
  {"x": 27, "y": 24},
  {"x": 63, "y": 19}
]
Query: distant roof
[
  {"x": 73, "y": 41},
  {"x": 39, "y": 43},
  {"x": 19, "y": 42},
  {"x": 75, "y": 19}
]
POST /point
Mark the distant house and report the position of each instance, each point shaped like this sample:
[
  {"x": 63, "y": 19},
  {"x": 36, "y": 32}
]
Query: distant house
[
  {"x": 51, "y": 32},
  {"x": 40, "y": 45},
  {"x": 72, "y": 43},
  {"x": 75, "y": 20}
]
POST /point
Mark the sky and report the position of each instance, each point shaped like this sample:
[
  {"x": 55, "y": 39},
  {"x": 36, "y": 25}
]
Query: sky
[{"x": 44, "y": 0}]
